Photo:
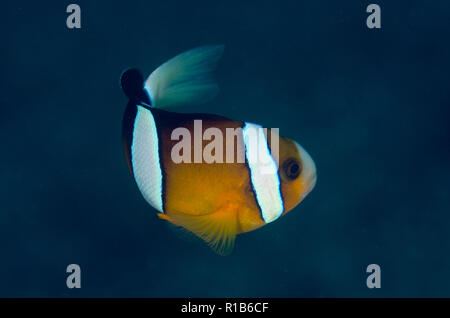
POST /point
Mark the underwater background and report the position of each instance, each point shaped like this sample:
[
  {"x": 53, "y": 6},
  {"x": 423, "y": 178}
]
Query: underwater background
[{"x": 371, "y": 106}]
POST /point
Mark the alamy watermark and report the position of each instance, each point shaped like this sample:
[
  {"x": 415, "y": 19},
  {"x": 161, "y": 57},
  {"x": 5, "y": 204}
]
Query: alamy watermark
[
  {"x": 373, "y": 21},
  {"x": 73, "y": 20},
  {"x": 374, "y": 279},
  {"x": 74, "y": 279},
  {"x": 222, "y": 147}
]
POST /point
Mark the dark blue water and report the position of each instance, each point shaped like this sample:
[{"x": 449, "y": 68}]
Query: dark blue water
[{"x": 371, "y": 106}]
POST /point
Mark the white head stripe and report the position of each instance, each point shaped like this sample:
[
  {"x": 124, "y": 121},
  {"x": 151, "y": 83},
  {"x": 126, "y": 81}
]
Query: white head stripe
[
  {"x": 263, "y": 172},
  {"x": 145, "y": 158}
]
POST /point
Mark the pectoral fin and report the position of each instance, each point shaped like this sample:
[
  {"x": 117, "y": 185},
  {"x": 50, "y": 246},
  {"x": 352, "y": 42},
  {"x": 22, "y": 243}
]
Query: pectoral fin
[{"x": 218, "y": 229}]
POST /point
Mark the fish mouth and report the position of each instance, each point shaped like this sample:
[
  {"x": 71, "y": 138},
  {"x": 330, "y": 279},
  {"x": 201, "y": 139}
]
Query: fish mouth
[{"x": 309, "y": 174}]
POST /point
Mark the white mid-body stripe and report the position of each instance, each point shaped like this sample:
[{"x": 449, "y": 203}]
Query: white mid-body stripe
[
  {"x": 263, "y": 172},
  {"x": 145, "y": 158}
]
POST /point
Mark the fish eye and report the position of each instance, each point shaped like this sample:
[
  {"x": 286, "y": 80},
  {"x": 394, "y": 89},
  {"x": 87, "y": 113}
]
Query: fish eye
[{"x": 292, "y": 168}]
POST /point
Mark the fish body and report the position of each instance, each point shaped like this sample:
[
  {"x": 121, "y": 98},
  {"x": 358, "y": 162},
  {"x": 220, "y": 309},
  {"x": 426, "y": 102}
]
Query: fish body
[{"x": 214, "y": 199}]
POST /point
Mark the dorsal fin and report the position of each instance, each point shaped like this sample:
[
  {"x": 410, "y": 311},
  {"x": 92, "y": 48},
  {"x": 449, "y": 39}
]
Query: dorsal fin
[
  {"x": 186, "y": 78},
  {"x": 218, "y": 229}
]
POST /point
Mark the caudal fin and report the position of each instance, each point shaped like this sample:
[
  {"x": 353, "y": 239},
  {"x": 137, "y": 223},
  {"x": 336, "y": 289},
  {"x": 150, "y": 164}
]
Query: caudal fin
[{"x": 186, "y": 78}]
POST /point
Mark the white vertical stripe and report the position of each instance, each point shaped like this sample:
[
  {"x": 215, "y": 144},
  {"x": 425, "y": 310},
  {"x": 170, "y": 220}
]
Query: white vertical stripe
[
  {"x": 308, "y": 169},
  {"x": 145, "y": 158},
  {"x": 263, "y": 172}
]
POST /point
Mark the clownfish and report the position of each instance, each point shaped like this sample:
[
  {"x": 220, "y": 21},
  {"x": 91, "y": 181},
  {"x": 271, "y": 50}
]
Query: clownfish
[{"x": 214, "y": 200}]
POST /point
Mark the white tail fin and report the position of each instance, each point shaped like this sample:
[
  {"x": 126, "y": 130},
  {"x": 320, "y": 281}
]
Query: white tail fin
[{"x": 186, "y": 78}]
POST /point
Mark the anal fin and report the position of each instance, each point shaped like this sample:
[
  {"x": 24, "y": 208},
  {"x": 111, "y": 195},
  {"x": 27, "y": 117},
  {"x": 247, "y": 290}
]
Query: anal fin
[{"x": 217, "y": 229}]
